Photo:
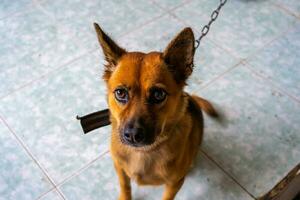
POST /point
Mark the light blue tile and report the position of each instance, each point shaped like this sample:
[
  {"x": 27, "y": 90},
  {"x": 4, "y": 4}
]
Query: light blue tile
[
  {"x": 155, "y": 36},
  {"x": 280, "y": 62},
  {"x": 53, "y": 195},
  {"x": 27, "y": 30},
  {"x": 210, "y": 62},
  {"x": 8, "y": 7},
  {"x": 32, "y": 46},
  {"x": 291, "y": 5},
  {"x": 115, "y": 17},
  {"x": 206, "y": 181},
  {"x": 22, "y": 35},
  {"x": 20, "y": 177},
  {"x": 43, "y": 115},
  {"x": 242, "y": 26},
  {"x": 259, "y": 141},
  {"x": 98, "y": 181},
  {"x": 170, "y": 4}
]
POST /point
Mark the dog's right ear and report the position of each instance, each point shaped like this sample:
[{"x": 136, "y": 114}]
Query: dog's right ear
[{"x": 111, "y": 50}]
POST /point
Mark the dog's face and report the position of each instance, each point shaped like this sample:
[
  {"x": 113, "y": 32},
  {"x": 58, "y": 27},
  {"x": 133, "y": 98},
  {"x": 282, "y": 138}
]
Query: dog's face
[{"x": 145, "y": 90}]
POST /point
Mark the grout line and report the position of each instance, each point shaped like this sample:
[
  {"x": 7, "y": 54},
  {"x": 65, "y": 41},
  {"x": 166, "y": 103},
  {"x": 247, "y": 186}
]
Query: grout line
[
  {"x": 45, "y": 75},
  {"x": 220, "y": 76},
  {"x": 54, "y": 189},
  {"x": 165, "y": 13},
  {"x": 60, "y": 193},
  {"x": 51, "y": 181},
  {"x": 227, "y": 50},
  {"x": 141, "y": 26},
  {"x": 45, "y": 193},
  {"x": 59, "y": 25},
  {"x": 276, "y": 37},
  {"x": 270, "y": 42},
  {"x": 227, "y": 173},
  {"x": 76, "y": 173},
  {"x": 44, "y": 171},
  {"x": 286, "y": 10},
  {"x": 82, "y": 169},
  {"x": 270, "y": 82},
  {"x": 172, "y": 8}
]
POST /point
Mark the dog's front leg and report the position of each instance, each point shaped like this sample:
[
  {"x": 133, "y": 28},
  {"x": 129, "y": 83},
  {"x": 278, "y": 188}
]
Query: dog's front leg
[
  {"x": 171, "y": 189},
  {"x": 124, "y": 180}
]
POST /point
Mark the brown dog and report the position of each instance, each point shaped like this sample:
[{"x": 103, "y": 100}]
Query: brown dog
[{"x": 156, "y": 126}]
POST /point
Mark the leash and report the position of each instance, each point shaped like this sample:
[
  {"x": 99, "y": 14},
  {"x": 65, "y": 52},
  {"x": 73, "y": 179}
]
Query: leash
[
  {"x": 214, "y": 15},
  {"x": 100, "y": 119}
]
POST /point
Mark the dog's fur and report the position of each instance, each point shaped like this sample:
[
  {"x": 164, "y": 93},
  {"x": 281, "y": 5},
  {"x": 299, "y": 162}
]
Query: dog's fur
[{"x": 173, "y": 127}]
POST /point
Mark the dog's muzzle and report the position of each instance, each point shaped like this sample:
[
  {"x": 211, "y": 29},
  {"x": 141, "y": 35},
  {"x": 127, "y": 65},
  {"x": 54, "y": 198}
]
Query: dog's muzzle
[{"x": 135, "y": 133}]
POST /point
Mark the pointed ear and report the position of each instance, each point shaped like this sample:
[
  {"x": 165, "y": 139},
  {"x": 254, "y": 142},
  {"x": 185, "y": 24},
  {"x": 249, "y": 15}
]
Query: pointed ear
[
  {"x": 111, "y": 50},
  {"x": 179, "y": 55}
]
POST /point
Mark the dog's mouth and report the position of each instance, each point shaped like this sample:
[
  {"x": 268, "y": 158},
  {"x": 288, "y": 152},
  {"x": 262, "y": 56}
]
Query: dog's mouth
[
  {"x": 147, "y": 147},
  {"x": 135, "y": 145}
]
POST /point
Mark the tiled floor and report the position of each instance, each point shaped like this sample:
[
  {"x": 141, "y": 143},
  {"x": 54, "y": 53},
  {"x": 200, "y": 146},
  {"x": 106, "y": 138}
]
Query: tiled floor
[{"x": 50, "y": 71}]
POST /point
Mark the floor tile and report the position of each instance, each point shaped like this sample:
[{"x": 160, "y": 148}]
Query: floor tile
[
  {"x": 20, "y": 177},
  {"x": 53, "y": 195},
  {"x": 280, "y": 62},
  {"x": 170, "y": 4},
  {"x": 258, "y": 142},
  {"x": 46, "y": 114},
  {"x": 206, "y": 181},
  {"x": 115, "y": 17},
  {"x": 8, "y": 7},
  {"x": 32, "y": 46},
  {"x": 210, "y": 61},
  {"x": 155, "y": 36},
  {"x": 291, "y": 5},
  {"x": 242, "y": 30},
  {"x": 25, "y": 33}
]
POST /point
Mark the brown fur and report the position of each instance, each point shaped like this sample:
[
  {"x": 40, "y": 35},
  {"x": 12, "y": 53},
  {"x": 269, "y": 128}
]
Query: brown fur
[{"x": 177, "y": 122}]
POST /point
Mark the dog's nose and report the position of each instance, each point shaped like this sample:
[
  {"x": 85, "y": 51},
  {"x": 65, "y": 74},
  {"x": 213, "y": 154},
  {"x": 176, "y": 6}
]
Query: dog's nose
[{"x": 134, "y": 135}]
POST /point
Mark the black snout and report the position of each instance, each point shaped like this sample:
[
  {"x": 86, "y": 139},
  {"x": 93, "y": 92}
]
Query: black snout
[{"x": 134, "y": 134}]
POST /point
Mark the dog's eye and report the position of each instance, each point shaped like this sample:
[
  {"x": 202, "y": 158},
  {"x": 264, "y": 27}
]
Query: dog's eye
[
  {"x": 121, "y": 95},
  {"x": 157, "y": 95}
]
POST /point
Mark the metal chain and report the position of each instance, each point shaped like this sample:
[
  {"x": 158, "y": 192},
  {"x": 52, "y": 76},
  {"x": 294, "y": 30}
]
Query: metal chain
[{"x": 214, "y": 15}]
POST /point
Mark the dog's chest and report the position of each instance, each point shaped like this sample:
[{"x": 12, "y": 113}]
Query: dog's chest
[{"x": 147, "y": 168}]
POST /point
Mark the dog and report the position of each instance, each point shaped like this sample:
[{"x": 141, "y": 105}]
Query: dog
[{"x": 156, "y": 126}]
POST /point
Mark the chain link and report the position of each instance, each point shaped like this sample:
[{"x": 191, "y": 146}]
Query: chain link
[{"x": 214, "y": 15}]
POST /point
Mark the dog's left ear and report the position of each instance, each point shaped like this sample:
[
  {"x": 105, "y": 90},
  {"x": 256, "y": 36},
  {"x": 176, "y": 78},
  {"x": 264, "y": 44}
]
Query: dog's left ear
[
  {"x": 179, "y": 55},
  {"x": 111, "y": 50}
]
